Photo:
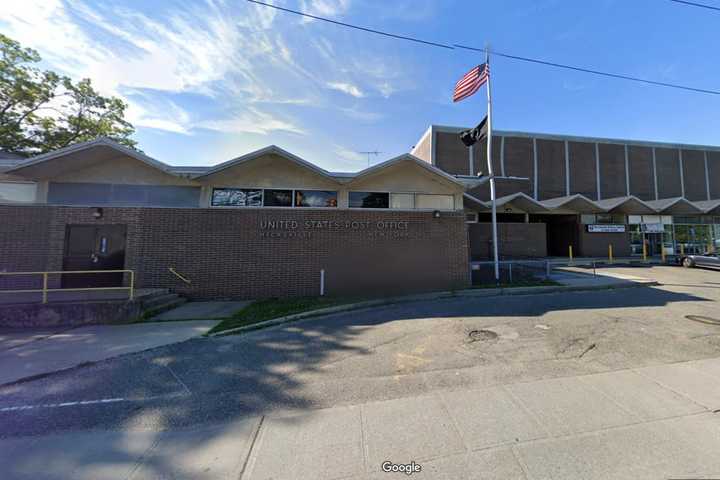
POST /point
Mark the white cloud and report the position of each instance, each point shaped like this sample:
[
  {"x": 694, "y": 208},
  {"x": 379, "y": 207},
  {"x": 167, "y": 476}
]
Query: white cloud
[
  {"x": 251, "y": 120},
  {"x": 346, "y": 87},
  {"x": 353, "y": 160},
  {"x": 325, "y": 8},
  {"x": 218, "y": 65}
]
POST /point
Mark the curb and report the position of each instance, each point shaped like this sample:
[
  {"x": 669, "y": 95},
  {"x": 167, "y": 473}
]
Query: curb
[{"x": 489, "y": 292}]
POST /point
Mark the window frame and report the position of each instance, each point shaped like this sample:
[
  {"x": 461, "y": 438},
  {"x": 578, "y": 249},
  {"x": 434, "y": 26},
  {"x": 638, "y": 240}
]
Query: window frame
[
  {"x": 212, "y": 194},
  {"x": 337, "y": 197},
  {"x": 414, "y": 194},
  {"x": 21, "y": 202},
  {"x": 371, "y": 208},
  {"x": 262, "y": 191}
]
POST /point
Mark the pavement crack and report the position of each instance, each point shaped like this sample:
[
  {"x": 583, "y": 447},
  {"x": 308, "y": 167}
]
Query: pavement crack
[
  {"x": 252, "y": 447},
  {"x": 589, "y": 347}
]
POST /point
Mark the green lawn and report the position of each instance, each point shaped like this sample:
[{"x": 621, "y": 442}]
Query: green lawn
[{"x": 270, "y": 308}]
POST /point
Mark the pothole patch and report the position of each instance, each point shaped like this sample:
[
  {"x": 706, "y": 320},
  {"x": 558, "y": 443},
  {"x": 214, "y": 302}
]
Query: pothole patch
[
  {"x": 482, "y": 336},
  {"x": 703, "y": 319}
]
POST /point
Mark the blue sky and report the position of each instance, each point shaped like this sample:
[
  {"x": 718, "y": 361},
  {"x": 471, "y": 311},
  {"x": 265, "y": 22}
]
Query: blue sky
[{"x": 208, "y": 80}]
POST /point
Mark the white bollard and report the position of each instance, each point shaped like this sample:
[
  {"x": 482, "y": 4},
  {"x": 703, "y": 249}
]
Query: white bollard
[{"x": 322, "y": 282}]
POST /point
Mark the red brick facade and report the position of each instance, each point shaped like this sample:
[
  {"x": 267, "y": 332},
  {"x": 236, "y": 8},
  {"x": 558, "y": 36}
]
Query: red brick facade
[{"x": 257, "y": 253}]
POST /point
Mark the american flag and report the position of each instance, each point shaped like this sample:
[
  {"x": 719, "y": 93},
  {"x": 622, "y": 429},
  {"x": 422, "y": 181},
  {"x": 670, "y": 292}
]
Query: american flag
[{"x": 471, "y": 82}]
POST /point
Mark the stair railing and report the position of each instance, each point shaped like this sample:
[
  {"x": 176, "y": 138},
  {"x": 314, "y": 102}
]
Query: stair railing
[{"x": 181, "y": 277}]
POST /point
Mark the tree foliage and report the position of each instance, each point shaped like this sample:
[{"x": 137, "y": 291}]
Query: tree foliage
[{"x": 41, "y": 111}]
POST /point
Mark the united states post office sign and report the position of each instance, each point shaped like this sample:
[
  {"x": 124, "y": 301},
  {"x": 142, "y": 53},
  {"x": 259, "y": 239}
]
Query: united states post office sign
[{"x": 606, "y": 228}]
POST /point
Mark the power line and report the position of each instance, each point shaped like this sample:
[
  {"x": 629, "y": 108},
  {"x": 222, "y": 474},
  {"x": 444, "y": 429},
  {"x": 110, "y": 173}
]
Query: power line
[
  {"x": 500, "y": 54},
  {"x": 595, "y": 72},
  {"x": 694, "y": 4},
  {"x": 356, "y": 27}
]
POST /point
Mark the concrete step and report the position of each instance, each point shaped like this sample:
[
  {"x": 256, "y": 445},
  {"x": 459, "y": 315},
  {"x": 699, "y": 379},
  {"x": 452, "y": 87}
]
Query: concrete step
[
  {"x": 159, "y": 300},
  {"x": 146, "y": 294},
  {"x": 164, "y": 307}
]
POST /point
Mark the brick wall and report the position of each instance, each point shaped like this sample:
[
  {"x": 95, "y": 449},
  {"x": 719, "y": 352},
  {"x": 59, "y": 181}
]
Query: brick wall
[
  {"x": 228, "y": 253},
  {"x": 596, "y": 244},
  {"x": 515, "y": 240}
]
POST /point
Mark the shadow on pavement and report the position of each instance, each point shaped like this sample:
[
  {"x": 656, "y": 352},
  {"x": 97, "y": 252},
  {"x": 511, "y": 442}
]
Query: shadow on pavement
[{"x": 212, "y": 381}]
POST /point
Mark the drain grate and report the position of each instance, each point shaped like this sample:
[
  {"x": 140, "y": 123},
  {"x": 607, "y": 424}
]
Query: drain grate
[
  {"x": 482, "y": 335},
  {"x": 703, "y": 319}
]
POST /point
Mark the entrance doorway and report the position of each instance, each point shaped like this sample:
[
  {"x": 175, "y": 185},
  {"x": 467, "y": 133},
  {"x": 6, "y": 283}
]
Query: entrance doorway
[
  {"x": 654, "y": 244},
  {"x": 94, "y": 247}
]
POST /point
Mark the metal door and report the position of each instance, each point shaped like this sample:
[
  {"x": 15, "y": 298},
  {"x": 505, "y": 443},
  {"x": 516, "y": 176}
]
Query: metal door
[{"x": 94, "y": 247}]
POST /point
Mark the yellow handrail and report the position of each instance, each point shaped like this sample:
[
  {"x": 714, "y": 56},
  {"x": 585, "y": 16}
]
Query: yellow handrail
[
  {"x": 130, "y": 288},
  {"x": 184, "y": 279}
]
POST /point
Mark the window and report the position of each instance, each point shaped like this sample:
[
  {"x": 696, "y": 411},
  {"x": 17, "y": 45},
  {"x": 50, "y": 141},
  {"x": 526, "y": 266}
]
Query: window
[
  {"x": 315, "y": 198},
  {"x": 17, "y": 192},
  {"x": 369, "y": 200},
  {"x": 60, "y": 193},
  {"x": 587, "y": 219},
  {"x": 236, "y": 197},
  {"x": 471, "y": 217},
  {"x": 278, "y": 198},
  {"x": 402, "y": 201},
  {"x": 435, "y": 202}
]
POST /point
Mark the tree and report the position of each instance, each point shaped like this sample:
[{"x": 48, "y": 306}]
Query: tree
[{"x": 41, "y": 111}]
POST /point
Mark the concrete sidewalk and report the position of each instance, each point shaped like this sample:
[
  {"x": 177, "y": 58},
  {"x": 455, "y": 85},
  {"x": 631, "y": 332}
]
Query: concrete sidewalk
[
  {"x": 202, "y": 311},
  {"x": 646, "y": 423},
  {"x": 31, "y": 352},
  {"x": 600, "y": 277}
]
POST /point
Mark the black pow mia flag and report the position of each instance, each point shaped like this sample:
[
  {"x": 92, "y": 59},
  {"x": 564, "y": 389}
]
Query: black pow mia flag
[{"x": 474, "y": 135}]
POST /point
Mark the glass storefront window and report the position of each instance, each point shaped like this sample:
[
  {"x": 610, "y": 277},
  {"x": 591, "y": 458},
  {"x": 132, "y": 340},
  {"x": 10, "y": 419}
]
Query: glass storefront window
[
  {"x": 236, "y": 197},
  {"x": 403, "y": 201},
  {"x": 315, "y": 198},
  {"x": 436, "y": 202},
  {"x": 369, "y": 200},
  {"x": 694, "y": 238},
  {"x": 278, "y": 198}
]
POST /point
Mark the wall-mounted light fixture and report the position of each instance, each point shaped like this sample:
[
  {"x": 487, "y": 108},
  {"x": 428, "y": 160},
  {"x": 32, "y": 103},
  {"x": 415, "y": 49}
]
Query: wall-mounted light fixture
[
  {"x": 436, "y": 214},
  {"x": 97, "y": 213}
]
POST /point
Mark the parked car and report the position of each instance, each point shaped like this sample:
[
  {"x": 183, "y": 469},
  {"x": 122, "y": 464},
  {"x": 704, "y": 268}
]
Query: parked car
[{"x": 705, "y": 260}]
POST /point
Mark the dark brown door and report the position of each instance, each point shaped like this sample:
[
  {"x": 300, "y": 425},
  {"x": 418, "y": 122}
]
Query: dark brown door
[{"x": 94, "y": 247}]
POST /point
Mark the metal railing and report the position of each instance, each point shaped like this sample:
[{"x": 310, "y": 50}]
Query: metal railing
[
  {"x": 181, "y": 277},
  {"x": 45, "y": 276}
]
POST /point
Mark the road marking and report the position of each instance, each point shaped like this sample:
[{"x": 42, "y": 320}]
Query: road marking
[
  {"x": 102, "y": 401},
  {"x": 172, "y": 372},
  {"x": 64, "y": 404}
]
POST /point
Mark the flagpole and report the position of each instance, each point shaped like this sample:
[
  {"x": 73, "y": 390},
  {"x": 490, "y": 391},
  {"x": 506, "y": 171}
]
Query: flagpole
[{"x": 490, "y": 167}]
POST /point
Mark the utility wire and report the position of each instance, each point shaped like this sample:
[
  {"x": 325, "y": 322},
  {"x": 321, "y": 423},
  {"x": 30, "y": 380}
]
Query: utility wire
[
  {"x": 694, "y": 4},
  {"x": 356, "y": 27},
  {"x": 500, "y": 54},
  {"x": 595, "y": 72}
]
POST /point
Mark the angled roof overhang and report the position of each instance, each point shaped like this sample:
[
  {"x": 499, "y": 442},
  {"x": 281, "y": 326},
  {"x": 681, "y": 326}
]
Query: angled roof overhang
[
  {"x": 675, "y": 206},
  {"x": 573, "y": 203},
  {"x": 472, "y": 181},
  {"x": 521, "y": 201},
  {"x": 80, "y": 155},
  {"x": 630, "y": 205},
  {"x": 269, "y": 150},
  {"x": 406, "y": 157},
  {"x": 710, "y": 207},
  {"x": 474, "y": 203}
]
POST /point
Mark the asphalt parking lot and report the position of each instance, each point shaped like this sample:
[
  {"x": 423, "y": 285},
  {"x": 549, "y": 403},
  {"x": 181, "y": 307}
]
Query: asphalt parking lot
[{"x": 523, "y": 387}]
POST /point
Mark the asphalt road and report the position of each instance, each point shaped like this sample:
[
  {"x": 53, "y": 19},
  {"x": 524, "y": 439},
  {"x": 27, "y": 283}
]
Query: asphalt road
[{"x": 400, "y": 353}]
